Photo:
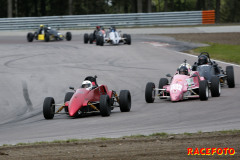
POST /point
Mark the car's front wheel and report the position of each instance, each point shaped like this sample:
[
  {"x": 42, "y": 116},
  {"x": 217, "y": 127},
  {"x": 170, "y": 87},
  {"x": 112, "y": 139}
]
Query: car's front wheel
[
  {"x": 85, "y": 38},
  {"x": 203, "y": 90},
  {"x": 150, "y": 92},
  {"x": 30, "y": 37},
  {"x": 48, "y": 108},
  {"x": 67, "y": 97},
  {"x": 68, "y": 36},
  {"x": 47, "y": 37},
  {"x": 215, "y": 87}
]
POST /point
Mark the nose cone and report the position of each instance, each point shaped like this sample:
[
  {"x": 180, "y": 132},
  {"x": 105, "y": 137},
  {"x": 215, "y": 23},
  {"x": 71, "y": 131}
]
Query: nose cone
[
  {"x": 176, "y": 97},
  {"x": 75, "y": 104},
  {"x": 176, "y": 91}
]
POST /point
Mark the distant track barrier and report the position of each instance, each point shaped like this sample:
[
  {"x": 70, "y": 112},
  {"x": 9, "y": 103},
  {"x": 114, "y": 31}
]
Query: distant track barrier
[
  {"x": 119, "y": 20},
  {"x": 208, "y": 17}
]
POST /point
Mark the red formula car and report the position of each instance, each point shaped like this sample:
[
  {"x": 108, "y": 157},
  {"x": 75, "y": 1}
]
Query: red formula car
[{"x": 88, "y": 99}]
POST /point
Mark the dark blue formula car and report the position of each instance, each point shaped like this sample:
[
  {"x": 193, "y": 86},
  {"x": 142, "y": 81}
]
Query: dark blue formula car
[{"x": 215, "y": 75}]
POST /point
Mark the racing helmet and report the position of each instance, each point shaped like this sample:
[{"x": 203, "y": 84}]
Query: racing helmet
[
  {"x": 202, "y": 60},
  {"x": 189, "y": 67},
  {"x": 112, "y": 28},
  {"x": 48, "y": 28},
  {"x": 87, "y": 84},
  {"x": 98, "y": 27},
  {"x": 41, "y": 25},
  {"x": 183, "y": 70}
]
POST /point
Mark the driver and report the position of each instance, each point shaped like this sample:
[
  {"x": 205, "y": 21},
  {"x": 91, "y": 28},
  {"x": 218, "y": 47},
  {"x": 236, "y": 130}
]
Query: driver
[
  {"x": 86, "y": 84},
  {"x": 112, "y": 29},
  {"x": 187, "y": 66},
  {"x": 183, "y": 70},
  {"x": 202, "y": 60},
  {"x": 41, "y": 29}
]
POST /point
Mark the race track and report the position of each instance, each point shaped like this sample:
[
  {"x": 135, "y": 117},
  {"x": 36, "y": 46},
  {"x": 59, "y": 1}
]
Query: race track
[{"x": 32, "y": 71}]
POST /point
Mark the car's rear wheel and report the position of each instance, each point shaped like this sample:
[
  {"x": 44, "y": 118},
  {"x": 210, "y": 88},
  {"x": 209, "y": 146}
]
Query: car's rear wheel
[
  {"x": 91, "y": 38},
  {"x": 150, "y": 92},
  {"x": 105, "y": 105},
  {"x": 203, "y": 90},
  {"x": 68, "y": 36},
  {"x": 125, "y": 101},
  {"x": 101, "y": 40},
  {"x": 48, "y": 108},
  {"x": 125, "y": 37},
  {"x": 35, "y": 35},
  {"x": 67, "y": 97},
  {"x": 30, "y": 37},
  {"x": 97, "y": 40},
  {"x": 230, "y": 76},
  {"x": 47, "y": 37},
  {"x": 85, "y": 38},
  {"x": 215, "y": 86}
]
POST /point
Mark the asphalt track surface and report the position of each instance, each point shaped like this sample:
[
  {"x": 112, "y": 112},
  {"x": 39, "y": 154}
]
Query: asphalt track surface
[{"x": 32, "y": 71}]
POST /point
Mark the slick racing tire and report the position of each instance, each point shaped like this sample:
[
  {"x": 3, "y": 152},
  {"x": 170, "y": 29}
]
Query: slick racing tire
[
  {"x": 91, "y": 38},
  {"x": 129, "y": 40},
  {"x": 68, "y": 36},
  {"x": 101, "y": 40},
  {"x": 215, "y": 86},
  {"x": 35, "y": 35},
  {"x": 105, "y": 105},
  {"x": 125, "y": 101},
  {"x": 85, "y": 38},
  {"x": 230, "y": 77},
  {"x": 30, "y": 37},
  {"x": 150, "y": 92},
  {"x": 162, "y": 82},
  {"x": 125, "y": 37},
  {"x": 48, "y": 108},
  {"x": 67, "y": 97},
  {"x": 97, "y": 40},
  {"x": 203, "y": 90},
  {"x": 47, "y": 37}
]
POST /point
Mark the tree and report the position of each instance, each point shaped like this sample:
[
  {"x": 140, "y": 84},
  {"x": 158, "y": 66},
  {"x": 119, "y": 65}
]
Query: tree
[
  {"x": 149, "y": 6},
  {"x": 217, "y": 11},
  {"x": 230, "y": 12},
  {"x": 165, "y": 5},
  {"x": 9, "y": 8},
  {"x": 139, "y": 6}
]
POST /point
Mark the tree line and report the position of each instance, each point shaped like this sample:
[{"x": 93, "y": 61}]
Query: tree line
[{"x": 226, "y": 10}]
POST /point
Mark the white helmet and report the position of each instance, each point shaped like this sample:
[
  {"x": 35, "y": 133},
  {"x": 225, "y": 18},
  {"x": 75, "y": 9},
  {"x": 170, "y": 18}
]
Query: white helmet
[
  {"x": 87, "y": 84},
  {"x": 189, "y": 67}
]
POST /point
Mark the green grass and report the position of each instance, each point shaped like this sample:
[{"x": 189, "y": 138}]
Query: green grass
[
  {"x": 235, "y": 131},
  {"x": 224, "y": 52},
  {"x": 135, "y": 136},
  {"x": 187, "y": 134},
  {"x": 161, "y": 134}
]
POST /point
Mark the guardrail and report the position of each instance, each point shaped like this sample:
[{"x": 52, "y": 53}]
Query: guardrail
[{"x": 126, "y": 20}]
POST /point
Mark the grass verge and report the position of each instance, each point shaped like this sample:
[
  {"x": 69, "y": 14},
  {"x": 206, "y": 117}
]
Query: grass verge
[
  {"x": 154, "y": 135},
  {"x": 224, "y": 52}
]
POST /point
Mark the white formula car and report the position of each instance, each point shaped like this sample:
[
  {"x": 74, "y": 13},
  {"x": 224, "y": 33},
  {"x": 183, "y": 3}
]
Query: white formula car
[{"x": 112, "y": 37}]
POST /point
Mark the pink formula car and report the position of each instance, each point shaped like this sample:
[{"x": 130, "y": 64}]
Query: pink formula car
[{"x": 185, "y": 84}]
